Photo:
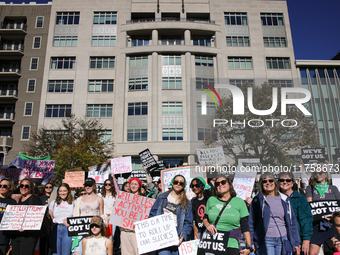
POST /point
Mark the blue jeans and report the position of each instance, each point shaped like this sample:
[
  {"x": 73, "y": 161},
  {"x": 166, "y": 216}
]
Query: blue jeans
[
  {"x": 172, "y": 250},
  {"x": 61, "y": 242},
  {"x": 273, "y": 245}
]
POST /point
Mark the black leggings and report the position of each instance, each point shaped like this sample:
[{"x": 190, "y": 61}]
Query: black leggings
[
  {"x": 24, "y": 245},
  {"x": 232, "y": 251}
]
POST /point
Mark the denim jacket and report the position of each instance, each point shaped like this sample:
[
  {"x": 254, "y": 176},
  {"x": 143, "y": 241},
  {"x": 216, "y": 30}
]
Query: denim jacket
[{"x": 184, "y": 217}]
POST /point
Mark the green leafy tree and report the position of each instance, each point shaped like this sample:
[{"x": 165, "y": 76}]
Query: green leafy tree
[
  {"x": 269, "y": 141},
  {"x": 77, "y": 142}
]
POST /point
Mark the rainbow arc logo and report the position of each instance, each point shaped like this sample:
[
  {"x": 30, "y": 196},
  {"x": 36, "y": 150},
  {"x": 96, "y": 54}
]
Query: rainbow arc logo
[{"x": 204, "y": 98}]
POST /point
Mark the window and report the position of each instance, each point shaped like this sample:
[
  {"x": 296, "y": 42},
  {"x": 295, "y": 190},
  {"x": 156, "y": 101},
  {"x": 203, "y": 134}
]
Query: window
[
  {"x": 171, "y": 82},
  {"x": 140, "y": 41},
  {"x": 67, "y": 18},
  {"x": 282, "y": 83},
  {"x": 206, "y": 133},
  {"x": 239, "y": 83},
  {"x": 204, "y": 61},
  {"x": 201, "y": 81},
  {"x": 240, "y": 63},
  {"x": 63, "y": 63},
  {"x": 202, "y": 41},
  {"x": 100, "y": 85},
  {"x": 278, "y": 63},
  {"x": 105, "y": 18},
  {"x": 58, "y": 110},
  {"x": 105, "y": 135},
  {"x": 172, "y": 134},
  {"x": 238, "y": 41},
  {"x": 99, "y": 110},
  {"x": 275, "y": 42},
  {"x": 104, "y": 40},
  {"x": 28, "y": 109},
  {"x": 233, "y": 18},
  {"x": 172, "y": 108},
  {"x": 39, "y": 22},
  {"x": 36, "y": 42},
  {"x": 65, "y": 41},
  {"x": 211, "y": 107},
  {"x": 135, "y": 135},
  {"x": 138, "y": 84},
  {"x": 60, "y": 86},
  {"x": 25, "y": 133},
  {"x": 272, "y": 19},
  {"x": 171, "y": 40},
  {"x": 138, "y": 61},
  {"x": 31, "y": 85},
  {"x": 171, "y": 60},
  {"x": 172, "y": 162},
  {"x": 34, "y": 63},
  {"x": 135, "y": 109},
  {"x": 102, "y": 62}
]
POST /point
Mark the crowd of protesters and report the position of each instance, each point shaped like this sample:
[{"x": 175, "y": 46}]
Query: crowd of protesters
[{"x": 277, "y": 219}]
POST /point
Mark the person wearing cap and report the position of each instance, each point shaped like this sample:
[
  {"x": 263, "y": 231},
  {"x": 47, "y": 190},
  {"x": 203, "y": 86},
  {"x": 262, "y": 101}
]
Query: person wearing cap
[
  {"x": 176, "y": 202},
  {"x": 202, "y": 192},
  {"x": 96, "y": 243}
]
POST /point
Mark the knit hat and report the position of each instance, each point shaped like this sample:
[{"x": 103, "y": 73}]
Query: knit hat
[
  {"x": 185, "y": 181},
  {"x": 205, "y": 185},
  {"x": 137, "y": 180}
]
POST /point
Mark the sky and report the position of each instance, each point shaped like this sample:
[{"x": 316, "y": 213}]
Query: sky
[{"x": 315, "y": 26}]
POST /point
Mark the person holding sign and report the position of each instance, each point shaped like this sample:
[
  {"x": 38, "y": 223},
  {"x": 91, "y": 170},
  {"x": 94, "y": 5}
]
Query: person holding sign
[
  {"x": 24, "y": 242},
  {"x": 320, "y": 190},
  {"x": 175, "y": 201},
  {"x": 60, "y": 209},
  {"x": 272, "y": 223},
  {"x": 226, "y": 212}
]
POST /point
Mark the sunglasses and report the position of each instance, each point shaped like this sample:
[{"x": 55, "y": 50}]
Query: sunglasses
[
  {"x": 3, "y": 186},
  {"x": 107, "y": 184},
  {"x": 221, "y": 183},
  {"x": 194, "y": 186},
  {"x": 83, "y": 193},
  {"x": 87, "y": 185},
  {"x": 26, "y": 186},
  {"x": 319, "y": 173},
  {"x": 285, "y": 180},
  {"x": 95, "y": 226},
  {"x": 265, "y": 181},
  {"x": 48, "y": 187},
  {"x": 178, "y": 183}
]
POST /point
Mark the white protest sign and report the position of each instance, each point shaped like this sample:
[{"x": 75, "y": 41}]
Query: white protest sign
[
  {"x": 211, "y": 156},
  {"x": 121, "y": 165},
  {"x": 100, "y": 172},
  {"x": 156, "y": 233},
  {"x": 189, "y": 248},
  {"x": 37, "y": 169},
  {"x": 243, "y": 184},
  {"x": 249, "y": 164},
  {"x": 336, "y": 180}
]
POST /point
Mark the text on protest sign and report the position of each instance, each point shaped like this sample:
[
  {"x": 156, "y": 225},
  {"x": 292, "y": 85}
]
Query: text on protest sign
[
  {"x": 139, "y": 174},
  {"x": 321, "y": 209},
  {"x": 336, "y": 180},
  {"x": 189, "y": 248},
  {"x": 249, "y": 165},
  {"x": 130, "y": 208},
  {"x": 312, "y": 155},
  {"x": 211, "y": 156},
  {"x": 213, "y": 244},
  {"x": 75, "y": 179},
  {"x": 148, "y": 160},
  {"x": 100, "y": 172},
  {"x": 22, "y": 216},
  {"x": 79, "y": 226},
  {"x": 156, "y": 233},
  {"x": 121, "y": 165},
  {"x": 37, "y": 169},
  {"x": 11, "y": 173},
  {"x": 243, "y": 184}
]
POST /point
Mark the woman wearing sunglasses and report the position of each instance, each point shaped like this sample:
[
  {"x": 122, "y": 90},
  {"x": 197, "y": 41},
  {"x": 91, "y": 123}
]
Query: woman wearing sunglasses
[
  {"x": 175, "y": 201},
  {"x": 24, "y": 242},
  {"x": 319, "y": 190},
  {"x": 302, "y": 211},
  {"x": 271, "y": 219}
]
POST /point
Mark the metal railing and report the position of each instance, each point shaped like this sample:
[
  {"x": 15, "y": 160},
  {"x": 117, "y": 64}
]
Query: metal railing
[
  {"x": 15, "y": 26},
  {"x": 170, "y": 19},
  {"x": 12, "y": 47}
]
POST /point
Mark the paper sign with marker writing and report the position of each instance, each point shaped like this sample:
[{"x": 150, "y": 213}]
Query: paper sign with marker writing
[
  {"x": 75, "y": 179},
  {"x": 37, "y": 169},
  {"x": 243, "y": 184},
  {"x": 189, "y": 248},
  {"x": 121, "y": 165},
  {"x": 211, "y": 156}
]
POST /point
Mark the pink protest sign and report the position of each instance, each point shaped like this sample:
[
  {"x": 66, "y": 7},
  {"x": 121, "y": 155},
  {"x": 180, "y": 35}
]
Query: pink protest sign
[
  {"x": 37, "y": 169},
  {"x": 121, "y": 165}
]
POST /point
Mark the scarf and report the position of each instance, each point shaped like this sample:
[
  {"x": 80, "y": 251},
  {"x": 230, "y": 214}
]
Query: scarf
[{"x": 321, "y": 188}]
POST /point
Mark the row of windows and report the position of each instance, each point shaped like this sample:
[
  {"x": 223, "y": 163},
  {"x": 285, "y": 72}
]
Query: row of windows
[
  {"x": 267, "y": 19},
  {"x": 70, "y": 63}
]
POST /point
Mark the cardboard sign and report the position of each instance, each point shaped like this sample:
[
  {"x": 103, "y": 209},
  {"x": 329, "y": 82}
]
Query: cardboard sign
[
  {"x": 22, "y": 216},
  {"x": 243, "y": 184},
  {"x": 121, "y": 165},
  {"x": 189, "y": 248},
  {"x": 213, "y": 244},
  {"x": 211, "y": 156},
  {"x": 130, "y": 208},
  {"x": 139, "y": 174},
  {"x": 148, "y": 160},
  {"x": 100, "y": 172},
  {"x": 41, "y": 169},
  {"x": 11, "y": 173},
  {"x": 312, "y": 155},
  {"x": 75, "y": 179},
  {"x": 321, "y": 209},
  {"x": 156, "y": 233},
  {"x": 79, "y": 226},
  {"x": 189, "y": 172}
]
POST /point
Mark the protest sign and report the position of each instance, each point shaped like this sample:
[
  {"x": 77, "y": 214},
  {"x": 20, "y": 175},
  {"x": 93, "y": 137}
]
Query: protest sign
[
  {"x": 22, "y": 216},
  {"x": 121, "y": 180},
  {"x": 189, "y": 248},
  {"x": 11, "y": 173},
  {"x": 79, "y": 226},
  {"x": 160, "y": 164},
  {"x": 249, "y": 165},
  {"x": 213, "y": 244},
  {"x": 53, "y": 195},
  {"x": 243, "y": 184},
  {"x": 336, "y": 180},
  {"x": 211, "y": 156},
  {"x": 139, "y": 174},
  {"x": 156, "y": 233},
  {"x": 42, "y": 169},
  {"x": 130, "y": 208},
  {"x": 75, "y": 179},
  {"x": 189, "y": 172},
  {"x": 312, "y": 155},
  {"x": 121, "y": 165},
  {"x": 321, "y": 209},
  {"x": 337, "y": 155},
  {"x": 148, "y": 160},
  {"x": 100, "y": 172}
]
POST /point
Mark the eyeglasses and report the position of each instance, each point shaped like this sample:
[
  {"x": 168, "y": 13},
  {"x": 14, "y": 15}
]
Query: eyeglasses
[
  {"x": 26, "y": 186},
  {"x": 48, "y": 187},
  {"x": 83, "y": 193},
  {"x": 265, "y": 181},
  {"x": 108, "y": 184},
  {"x": 221, "y": 182},
  {"x": 285, "y": 180},
  {"x": 3, "y": 186},
  {"x": 178, "y": 183},
  {"x": 194, "y": 186}
]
